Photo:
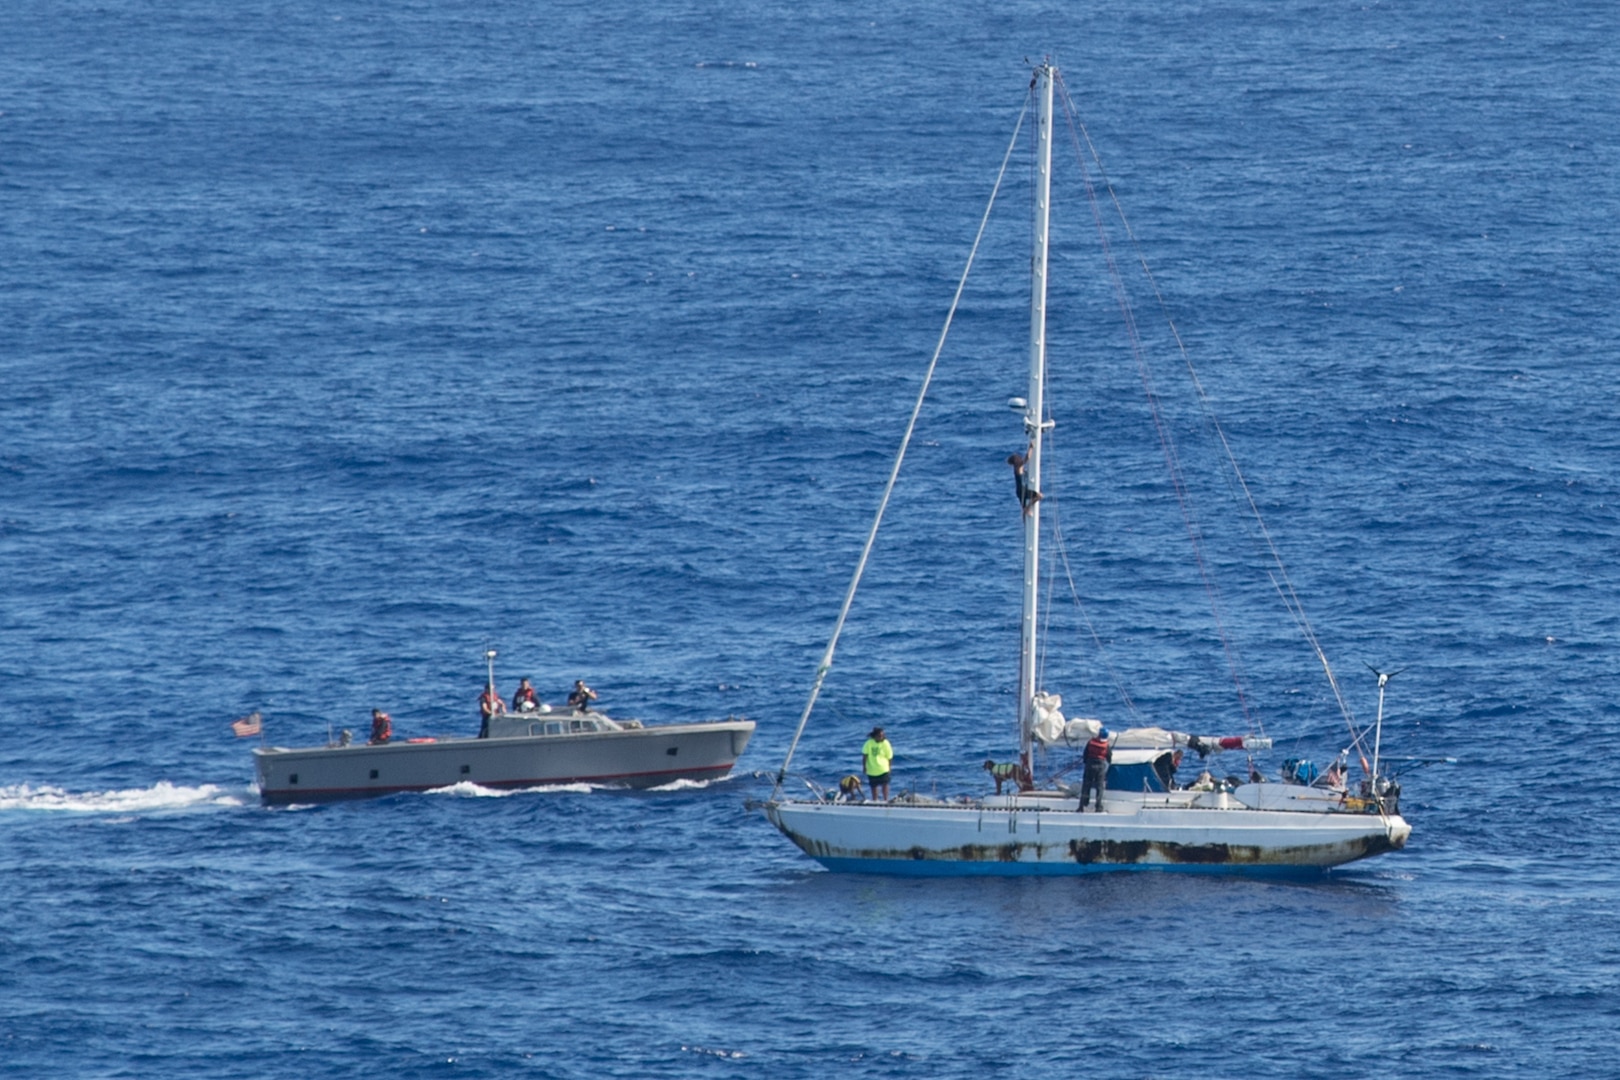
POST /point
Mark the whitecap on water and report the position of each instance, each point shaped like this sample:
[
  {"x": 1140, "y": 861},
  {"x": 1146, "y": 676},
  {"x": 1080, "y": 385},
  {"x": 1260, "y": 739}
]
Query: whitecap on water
[
  {"x": 710, "y": 1051},
  {"x": 160, "y": 796}
]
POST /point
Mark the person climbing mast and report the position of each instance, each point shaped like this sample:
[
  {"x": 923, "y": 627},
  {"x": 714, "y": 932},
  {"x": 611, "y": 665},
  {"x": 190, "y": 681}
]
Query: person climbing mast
[{"x": 1027, "y": 495}]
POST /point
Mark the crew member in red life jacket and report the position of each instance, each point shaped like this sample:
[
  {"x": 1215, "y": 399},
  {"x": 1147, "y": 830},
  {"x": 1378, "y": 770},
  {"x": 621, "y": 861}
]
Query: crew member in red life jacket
[
  {"x": 524, "y": 700},
  {"x": 1097, "y": 756},
  {"x": 382, "y": 727},
  {"x": 489, "y": 704},
  {"x": 1008, "y": 772}
]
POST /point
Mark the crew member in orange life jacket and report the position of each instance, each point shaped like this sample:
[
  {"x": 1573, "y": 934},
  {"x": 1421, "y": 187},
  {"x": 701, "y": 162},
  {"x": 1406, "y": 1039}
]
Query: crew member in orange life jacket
[
  {"x": 524, "y": 700},
  {"x": 1098, "y": 754},
  {"x": 382, "y": 727},
  {"x": 489, "y": 704}
]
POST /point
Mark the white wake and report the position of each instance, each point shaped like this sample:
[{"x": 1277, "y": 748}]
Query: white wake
[{"x": 160, "y": 796}]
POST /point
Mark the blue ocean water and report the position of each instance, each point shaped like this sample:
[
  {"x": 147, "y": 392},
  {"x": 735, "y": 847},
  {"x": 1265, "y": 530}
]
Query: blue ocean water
[{"x": 341, "y": 341}]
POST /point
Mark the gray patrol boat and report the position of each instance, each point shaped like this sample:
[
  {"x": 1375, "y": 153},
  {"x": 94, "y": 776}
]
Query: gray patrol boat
[
  {"x": 519, "y": 749},
  {"x": 522, "y": 749}
]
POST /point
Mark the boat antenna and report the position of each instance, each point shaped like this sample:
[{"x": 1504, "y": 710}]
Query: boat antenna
[
  {"x": 900, "y": 456},
  {"x": 1378, "y": 725},
  {"x": 489, "y": 658}
]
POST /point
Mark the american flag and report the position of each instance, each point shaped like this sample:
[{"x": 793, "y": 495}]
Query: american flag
[{"x": 248, "y": 726}]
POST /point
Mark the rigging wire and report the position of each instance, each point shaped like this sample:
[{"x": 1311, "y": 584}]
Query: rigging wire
[
  {"x": 1059, "y": 552},
  {"x": 1062, "y": 548},
  {"x": 899, "y": 457},
  {"x": 1167, "y": 441},
  {"x": 1280, "y": 580}
]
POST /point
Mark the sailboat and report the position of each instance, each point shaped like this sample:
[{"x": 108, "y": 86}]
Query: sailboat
[{"x": 1300, "y": 822}]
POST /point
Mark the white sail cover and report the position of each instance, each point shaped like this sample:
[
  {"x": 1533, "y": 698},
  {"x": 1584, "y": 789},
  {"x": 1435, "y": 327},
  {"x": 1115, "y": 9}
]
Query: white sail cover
[
  {"x": 1079, "y": 732},
  {"x": 1048, "y": 719},
  {"x": 1147, "y": 738}
]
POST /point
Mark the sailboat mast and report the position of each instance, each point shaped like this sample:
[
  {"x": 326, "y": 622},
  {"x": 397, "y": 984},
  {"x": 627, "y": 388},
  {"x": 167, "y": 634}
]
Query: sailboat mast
[{"x": 1033, "y": 426}]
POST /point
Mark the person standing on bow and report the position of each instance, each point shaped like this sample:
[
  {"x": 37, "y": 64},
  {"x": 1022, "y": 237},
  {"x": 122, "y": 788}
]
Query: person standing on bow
[
  {"x": 489, "y": 705},
  {"x": 878, "y": 753},
  {"x": 525, "y": 700},
  {"x": 382, "y": 727},
  {"x": 1097, "y": 756}
]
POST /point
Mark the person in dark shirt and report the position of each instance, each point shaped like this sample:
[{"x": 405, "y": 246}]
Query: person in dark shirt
[
  {"x": 580, "y": 700},
  {"x": 1027, "y": 496},
  {"x": 1166, "y": 765}
]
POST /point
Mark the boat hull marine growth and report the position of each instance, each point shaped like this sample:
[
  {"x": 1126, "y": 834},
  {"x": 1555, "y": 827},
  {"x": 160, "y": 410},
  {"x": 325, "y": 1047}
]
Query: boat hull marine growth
[
  {"x": 523, "y": 750},
  {"x": 1242, "y": 824},
  {"x": 1043, "y": 833}
]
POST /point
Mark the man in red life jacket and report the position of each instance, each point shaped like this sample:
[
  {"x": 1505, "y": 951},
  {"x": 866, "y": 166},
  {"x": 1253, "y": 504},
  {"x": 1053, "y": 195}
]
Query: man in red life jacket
[
  {"x": 489, "y": 704},
  {"x": 1097, "y": 756},
  {"x": 382, "y": 727},
  {"x": 524, "y": 700}
]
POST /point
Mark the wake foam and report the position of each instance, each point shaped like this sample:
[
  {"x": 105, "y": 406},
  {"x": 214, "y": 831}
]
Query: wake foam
[
  {"x": 684, "y": 785},
  {"x": 466, "y": 789},
  {"x": 160, "y": 796}
]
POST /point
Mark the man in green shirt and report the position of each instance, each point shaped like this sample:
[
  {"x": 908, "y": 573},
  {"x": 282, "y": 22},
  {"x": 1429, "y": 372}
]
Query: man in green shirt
[{"x": 878, "y": 753}]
